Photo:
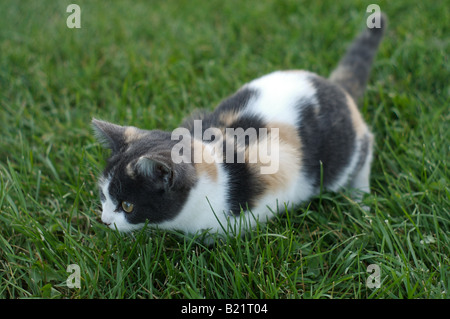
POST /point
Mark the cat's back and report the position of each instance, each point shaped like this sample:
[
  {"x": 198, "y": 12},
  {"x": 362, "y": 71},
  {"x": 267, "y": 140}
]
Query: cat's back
[
  {"x": 323, "y": 117},
  {"x": 278, "y": 96}
]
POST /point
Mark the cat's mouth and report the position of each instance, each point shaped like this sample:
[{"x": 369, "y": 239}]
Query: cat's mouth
[
  {"x": 98, "y": 214},
  {"x": 99, "y": 220}
]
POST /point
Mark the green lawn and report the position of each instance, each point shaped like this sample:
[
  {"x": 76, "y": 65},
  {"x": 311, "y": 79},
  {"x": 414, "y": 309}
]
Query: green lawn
[{"x": 149, "y": 64}]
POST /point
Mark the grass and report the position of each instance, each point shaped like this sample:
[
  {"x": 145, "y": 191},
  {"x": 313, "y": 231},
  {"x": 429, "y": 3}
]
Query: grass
[{"x": 150, "y": 65}]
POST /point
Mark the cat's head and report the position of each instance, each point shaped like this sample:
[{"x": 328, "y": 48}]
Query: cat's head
[{"x": 140, "y": 183}]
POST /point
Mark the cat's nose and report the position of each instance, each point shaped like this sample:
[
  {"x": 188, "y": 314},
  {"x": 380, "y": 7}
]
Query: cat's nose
[{"x": 105, "y": 222}]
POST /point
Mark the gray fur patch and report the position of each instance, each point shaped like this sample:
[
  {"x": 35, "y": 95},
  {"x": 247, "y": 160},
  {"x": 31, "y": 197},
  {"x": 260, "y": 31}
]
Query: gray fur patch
[{"x": 353, "y": 70}]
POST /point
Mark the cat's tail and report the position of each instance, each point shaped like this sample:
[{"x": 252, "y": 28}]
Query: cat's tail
[{"x": 353, "y": 70}]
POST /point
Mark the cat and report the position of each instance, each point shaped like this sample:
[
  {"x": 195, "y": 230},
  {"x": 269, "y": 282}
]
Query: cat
[{"x": 307, "y": 129}]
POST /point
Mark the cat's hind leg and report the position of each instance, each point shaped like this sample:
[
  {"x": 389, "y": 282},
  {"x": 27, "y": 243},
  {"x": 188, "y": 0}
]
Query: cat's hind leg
[{"x": 360, "y": 183}]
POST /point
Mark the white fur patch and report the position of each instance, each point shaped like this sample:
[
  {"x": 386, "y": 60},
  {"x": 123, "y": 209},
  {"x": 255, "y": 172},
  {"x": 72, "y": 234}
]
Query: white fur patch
[
  {"x": 279, "y": 94},
  {"x": 111, "y": 216},
  {"x": 197, "y": 213}
]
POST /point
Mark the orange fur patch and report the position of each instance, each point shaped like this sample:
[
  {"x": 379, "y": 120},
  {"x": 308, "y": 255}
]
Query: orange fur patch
[
  {"x": 131, "y": 134},
  {"x": 358, "y": 123},
  {"x": 288, "y": 160},
  {"x": 207, "y": 166}
]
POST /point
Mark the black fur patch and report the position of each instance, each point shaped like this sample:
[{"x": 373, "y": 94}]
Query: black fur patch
[
  {"x": 247, "y": 123},
  {"x": 233, "y": 104},
  {"x": 237, "y": 102},
  {"x": 326, "y": 133},
  {"x": 244, "y": 185},
  {"x": 151, "y": 202}
]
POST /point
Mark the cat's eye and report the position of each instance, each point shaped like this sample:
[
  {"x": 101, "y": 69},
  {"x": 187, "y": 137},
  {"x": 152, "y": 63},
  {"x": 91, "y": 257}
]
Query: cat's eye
[{"x": 127, "y": 207}]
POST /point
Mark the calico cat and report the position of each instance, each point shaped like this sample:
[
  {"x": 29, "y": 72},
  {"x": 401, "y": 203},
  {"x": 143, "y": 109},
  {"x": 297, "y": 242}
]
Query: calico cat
[{"x": 304, "y": 130}]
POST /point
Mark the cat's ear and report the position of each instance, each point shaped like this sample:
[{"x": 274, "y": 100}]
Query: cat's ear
[
  {"x": 156, "y": 169},
  {"x": 108, "y": 134}
]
